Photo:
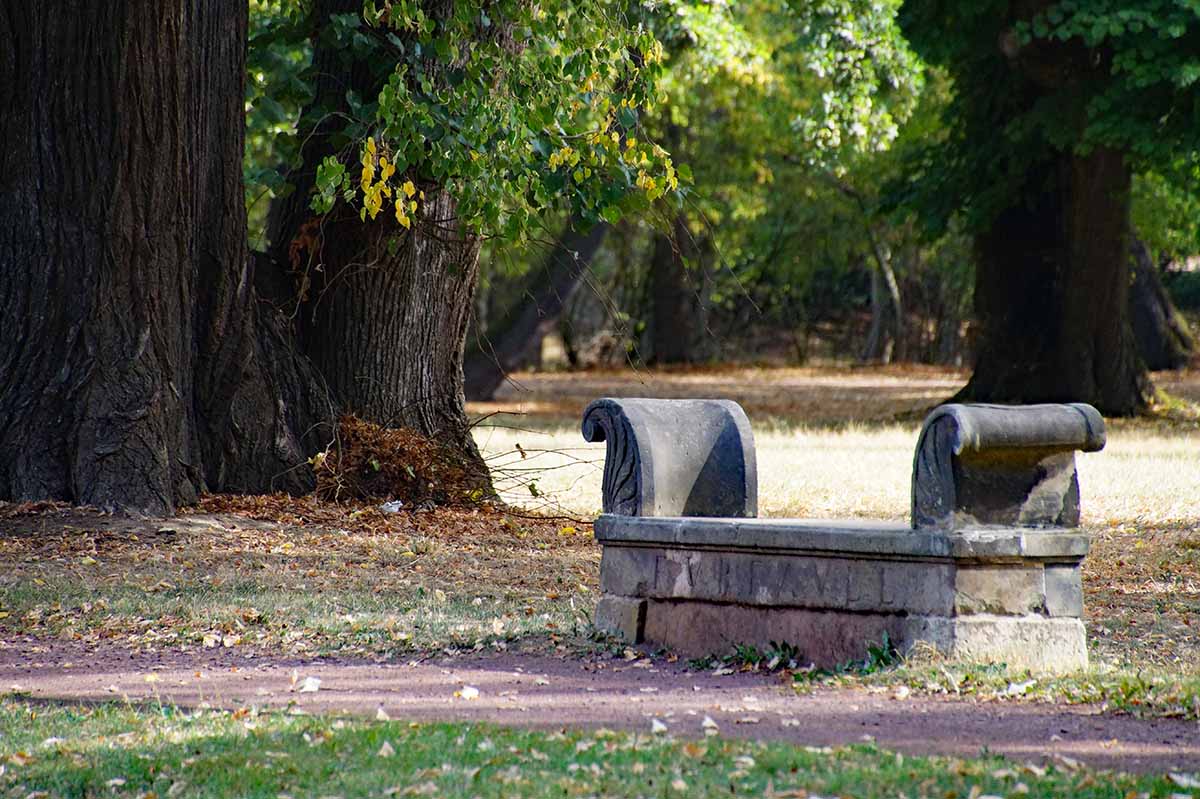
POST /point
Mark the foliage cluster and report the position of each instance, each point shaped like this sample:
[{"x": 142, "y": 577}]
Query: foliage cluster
[
  {"x": 512, "y": 107},
  {"x": 1073, "y": 76}
]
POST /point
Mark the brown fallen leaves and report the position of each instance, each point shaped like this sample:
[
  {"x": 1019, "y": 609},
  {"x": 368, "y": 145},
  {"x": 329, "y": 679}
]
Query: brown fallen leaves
[
  {"x": 291, "y": 574},
  {"x": 1142, "y": 595},
  {"x": 370, "y": 462}
]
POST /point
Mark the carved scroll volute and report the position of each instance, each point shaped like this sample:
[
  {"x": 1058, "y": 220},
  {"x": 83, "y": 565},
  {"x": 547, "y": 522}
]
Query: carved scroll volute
[
  {"x": 604, "y": 420},
  {"x": 675, "y": 457},
  {"x": 1002, "y": 464}
]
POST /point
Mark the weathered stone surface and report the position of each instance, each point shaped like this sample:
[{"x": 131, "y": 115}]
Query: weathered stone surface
[
  {"x": 987, "y": 571},
  {"x": 831, "y": 638},
  {"x": 881, "y": 539},
  {"x": 628, "y": 571},
  {"x": 675, "y": 457},
  {"x": 622, "y": 617},
  {"x": 826, "y": 638},
  {"x": 1000, "y": 464},
  {"x": 833, "y": 589},
  {"x": 847, "y": 583},
  {"x": 1064, "y": 590},
  {"x": 1010, "y": 590},
  {"x": 1033, "y": 642}
]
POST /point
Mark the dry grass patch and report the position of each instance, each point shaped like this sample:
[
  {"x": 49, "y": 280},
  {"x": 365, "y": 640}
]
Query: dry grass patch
[
  {"x": 817, "y": 396},
  {"x": 301, "y": 576},
  {"x": 294, "y": 575},
  {"x": 1141, "y": 495}
]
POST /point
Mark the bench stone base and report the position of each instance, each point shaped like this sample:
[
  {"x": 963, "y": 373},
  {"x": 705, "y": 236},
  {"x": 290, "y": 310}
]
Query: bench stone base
[{"x": 832, "y": 589}]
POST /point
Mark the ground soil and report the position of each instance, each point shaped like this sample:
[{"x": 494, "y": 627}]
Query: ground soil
[
  {"x": 543, "y": 690},
  {"x": 548, "y": 692}
]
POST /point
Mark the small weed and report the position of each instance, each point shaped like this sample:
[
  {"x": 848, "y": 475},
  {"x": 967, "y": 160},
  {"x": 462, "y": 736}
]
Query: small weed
[
  {"x": 778, "y": 655},
  {"x": 880, "y": 657}
]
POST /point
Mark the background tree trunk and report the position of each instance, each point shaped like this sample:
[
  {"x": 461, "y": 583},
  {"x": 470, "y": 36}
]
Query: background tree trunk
[
  {"x": 134, "y": 370},
  {"x": 385, "y": 310},
  {"x": 673, "y": 321},
  {"x": 1164, "y": 340},
  {"x": 1052, "y": 275},
  {"x": 885, "y": 337},
  {"x": 1051, "y": 294},
  {"x": 514, "y": 341}
]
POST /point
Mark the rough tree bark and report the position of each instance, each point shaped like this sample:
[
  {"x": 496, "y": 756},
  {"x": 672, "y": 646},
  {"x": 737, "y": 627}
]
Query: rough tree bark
[
  {"x": 1163, "y": 338},
  {"x": 135, "y": 369},
  {"x": 1051, "y": 294},
  {"x": 385, "y": 313},
  {"x": 511, "y": 343}
]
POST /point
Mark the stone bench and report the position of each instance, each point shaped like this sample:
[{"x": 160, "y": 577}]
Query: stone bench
[{"x": 988, "y": 570}]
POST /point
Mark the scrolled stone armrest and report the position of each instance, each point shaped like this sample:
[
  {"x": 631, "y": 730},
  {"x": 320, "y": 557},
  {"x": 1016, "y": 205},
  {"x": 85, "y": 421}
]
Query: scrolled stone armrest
[
  {"x": 1002, "y": 464},
  {"x": 675, "y": 457}
]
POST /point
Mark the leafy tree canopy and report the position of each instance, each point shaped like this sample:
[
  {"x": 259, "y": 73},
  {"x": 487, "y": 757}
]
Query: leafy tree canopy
[
  {"x": 1038, "y": 78},
  {"x": 518, "y": 109}
]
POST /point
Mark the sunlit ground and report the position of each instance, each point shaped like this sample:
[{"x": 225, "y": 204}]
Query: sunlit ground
[{"x": 1140, "y": 495}]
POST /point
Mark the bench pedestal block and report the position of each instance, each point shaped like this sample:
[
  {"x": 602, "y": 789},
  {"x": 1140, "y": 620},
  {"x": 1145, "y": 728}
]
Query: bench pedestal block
[{"x": 832, "y": 589}]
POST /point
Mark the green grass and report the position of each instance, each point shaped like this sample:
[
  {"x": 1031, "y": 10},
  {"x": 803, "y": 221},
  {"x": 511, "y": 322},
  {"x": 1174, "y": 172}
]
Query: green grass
[
  {"x": 286, "y": 620},
  {"x": 1146, "y": 693},
  {"x": 121, "y": 751},
  {"x": 352, "y": 584}
]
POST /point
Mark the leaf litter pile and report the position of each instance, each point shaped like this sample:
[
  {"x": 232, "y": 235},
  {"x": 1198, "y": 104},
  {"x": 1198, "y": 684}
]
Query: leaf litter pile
[
  {"x": 295, "y": 575},
  {"x": 368, "y": 461}
]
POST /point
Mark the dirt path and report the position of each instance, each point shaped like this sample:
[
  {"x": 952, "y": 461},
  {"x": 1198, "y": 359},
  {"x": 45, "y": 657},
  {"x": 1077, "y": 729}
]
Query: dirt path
[{"x": 549, "y": 693}]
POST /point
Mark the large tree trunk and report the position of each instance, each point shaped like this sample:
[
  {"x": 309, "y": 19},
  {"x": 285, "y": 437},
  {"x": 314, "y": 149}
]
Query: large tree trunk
[
  {"x": 1163, "y": 338},
  {"x": 512, "y": 342},
  {"x": 385, "y": 310},
  {"x": 1052, "y": 276},
  {"x": 134, "y": 370},
  {"x": 1051, "y": 294}
]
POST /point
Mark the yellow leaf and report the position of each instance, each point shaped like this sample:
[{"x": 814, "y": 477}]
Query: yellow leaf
[{"x": 409, "y": 188}]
